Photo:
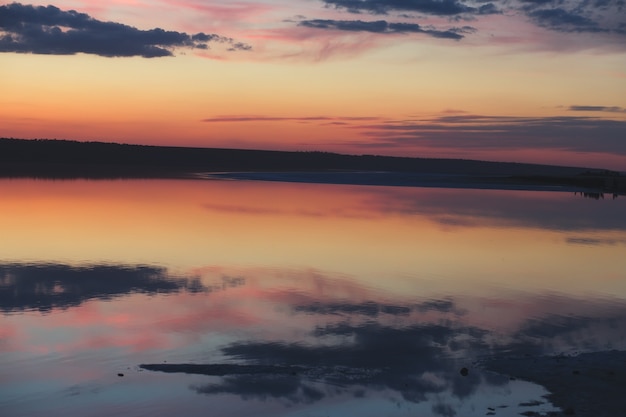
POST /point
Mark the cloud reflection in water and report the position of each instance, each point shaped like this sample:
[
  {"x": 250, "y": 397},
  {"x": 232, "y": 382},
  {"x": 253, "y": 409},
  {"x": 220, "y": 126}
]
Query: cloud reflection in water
[{"x": 44, "y": 287}]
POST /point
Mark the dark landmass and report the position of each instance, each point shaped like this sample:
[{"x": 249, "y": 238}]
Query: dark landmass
[
  {"x": 587, "y": 385},
  {"x": 44, "y": 158},
  {"x": 224, "y": 369}
]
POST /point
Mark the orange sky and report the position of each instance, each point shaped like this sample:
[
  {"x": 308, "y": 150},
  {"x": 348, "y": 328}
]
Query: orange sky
[{"x": 512, "y": 84}]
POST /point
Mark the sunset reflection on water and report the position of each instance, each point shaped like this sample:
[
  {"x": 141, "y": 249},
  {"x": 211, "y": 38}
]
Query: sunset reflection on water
[{"x": 379, "y": 293}]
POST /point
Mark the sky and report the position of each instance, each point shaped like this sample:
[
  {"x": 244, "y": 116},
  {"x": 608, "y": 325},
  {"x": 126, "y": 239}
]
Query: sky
[{"x": 539, "y": 81}]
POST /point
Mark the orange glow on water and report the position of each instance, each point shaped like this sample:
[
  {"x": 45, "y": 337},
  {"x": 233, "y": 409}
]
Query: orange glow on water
[{"x": 361, "y": 231}]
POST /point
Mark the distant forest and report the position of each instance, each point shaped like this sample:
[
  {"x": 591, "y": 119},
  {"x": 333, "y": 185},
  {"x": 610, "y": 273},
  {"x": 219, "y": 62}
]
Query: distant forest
[
  {"x": 64, "y": 158},
  {"x": 47, "y": 158}
]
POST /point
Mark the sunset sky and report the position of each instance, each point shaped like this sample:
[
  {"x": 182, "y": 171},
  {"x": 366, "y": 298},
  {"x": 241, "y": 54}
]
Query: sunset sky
[{"x": 514, "y": 80}]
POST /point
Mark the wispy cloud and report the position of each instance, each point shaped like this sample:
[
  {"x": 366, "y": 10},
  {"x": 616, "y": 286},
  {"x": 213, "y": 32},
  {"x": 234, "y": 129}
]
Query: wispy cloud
[
  {"x": 580, "y": 134},
  {"x": 608, "y": 109},
  {"x": 50, "y": 30},
  {"x": 466, "y": 132},
  {"x": 246, "y": 118},
  {"x": 382, "y": 26},
  {"x": 591, "y": 241}
]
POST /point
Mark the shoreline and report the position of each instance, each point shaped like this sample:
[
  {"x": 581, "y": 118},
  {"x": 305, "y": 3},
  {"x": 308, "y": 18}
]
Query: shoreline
[
  {"x": 364, "y": 178},
  {"x": 586, "y": 385},
  {"x": 61, "y": 159},
  {"x": 408, "y": 179}
]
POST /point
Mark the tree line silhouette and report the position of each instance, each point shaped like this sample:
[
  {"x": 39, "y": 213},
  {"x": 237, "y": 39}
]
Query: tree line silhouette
[{"x": 51, "y": 158}]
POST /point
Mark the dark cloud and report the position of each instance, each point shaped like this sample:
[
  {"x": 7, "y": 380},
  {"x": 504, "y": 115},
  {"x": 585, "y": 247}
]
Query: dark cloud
[
  {"x": 489, "y": 8},
  {"x": 368, "y": 308},
  {"x": 377, "y": 356},
  {"x": 44, "y": 287},
  {"x": 238, "y": 46},
  {"x": 573, "y": 329},
  {"x": 374, "y": 309},
  {"x": 535, "y": 3},
  {"x": 441, "y": 306},
  {"x": 373, "y": 346},
  {"x": 563, "y": 20},
  {"x": 608, "y": 109},
  {"x": 49, "y": 30},
  {"x": 580, "y": 134},
  {"x": 592, "y": 241},
  {"x": 444, "y": 410},
  {"x": 584, "y": 16},
  {"x": 380, "y": 26},
  {"x": 288, "y": 388},
  {"x": 432, "y": 7}
]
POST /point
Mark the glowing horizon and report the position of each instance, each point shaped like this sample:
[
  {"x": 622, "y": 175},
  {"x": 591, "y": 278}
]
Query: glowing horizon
[{"x": 514, "y": 82}]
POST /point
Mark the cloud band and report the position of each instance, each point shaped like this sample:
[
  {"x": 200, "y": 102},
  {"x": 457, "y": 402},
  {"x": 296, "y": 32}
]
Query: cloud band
[{"x": 49, "y": 30}]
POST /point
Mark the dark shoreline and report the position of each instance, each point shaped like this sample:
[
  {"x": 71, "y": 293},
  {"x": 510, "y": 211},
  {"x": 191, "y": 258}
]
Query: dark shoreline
[
  {"x": 586, "y": 385},
  {"x": 394, "y": 179},
  {"x": 60, "y": 159}
]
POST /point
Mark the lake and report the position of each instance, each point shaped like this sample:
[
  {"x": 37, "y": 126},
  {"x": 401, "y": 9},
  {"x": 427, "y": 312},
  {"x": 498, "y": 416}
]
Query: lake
[{"x": 238, "y": 298}]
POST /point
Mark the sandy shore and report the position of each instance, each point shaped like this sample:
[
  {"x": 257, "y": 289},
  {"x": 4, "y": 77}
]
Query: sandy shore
[{"x": 587, "y": 385}]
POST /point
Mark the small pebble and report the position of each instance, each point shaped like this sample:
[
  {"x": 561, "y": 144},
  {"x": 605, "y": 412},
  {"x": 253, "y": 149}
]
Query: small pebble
[
  {"x": 120, "y": 374},
  {"x": 464, "y": 371}
]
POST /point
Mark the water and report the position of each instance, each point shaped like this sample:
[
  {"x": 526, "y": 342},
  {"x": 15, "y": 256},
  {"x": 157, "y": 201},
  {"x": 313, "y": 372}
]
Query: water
[{"x": 375, "y": 296}]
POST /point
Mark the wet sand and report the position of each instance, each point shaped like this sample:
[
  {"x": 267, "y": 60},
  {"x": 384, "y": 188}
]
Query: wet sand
[{"x": 586, "y": 385}]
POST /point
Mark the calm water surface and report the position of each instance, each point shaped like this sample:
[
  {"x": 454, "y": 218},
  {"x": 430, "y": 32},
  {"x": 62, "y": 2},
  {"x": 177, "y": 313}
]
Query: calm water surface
[{"x": 324, "y": 300}]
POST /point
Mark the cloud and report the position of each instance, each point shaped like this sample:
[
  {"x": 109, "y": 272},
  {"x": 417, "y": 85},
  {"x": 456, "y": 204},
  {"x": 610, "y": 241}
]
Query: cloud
[
  {"x": 49, "y": 286},
  {"x": 602, "y": 17},
  {"x": 592, "y": 241},
  {"x": 374, "y": 309},
  {"x": 480, "y": 134},
  {"x": 49, "y": 30},
  {"x": 381, "y": 26},
  {"x": 251, "y": 118},
  {"x": 367, "y": 308},
  {"x": 563, "y": 20},
  {"x": 606, "y": 16},
  {"x": 580, "y": 134},
  {"x": 609, "y": 109},
  {"x": 238, "y": 119},
  {"x": 432, "y": 7},
  {"x": 289, "y": 388},
  {"x": 375, "y": 355}
]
